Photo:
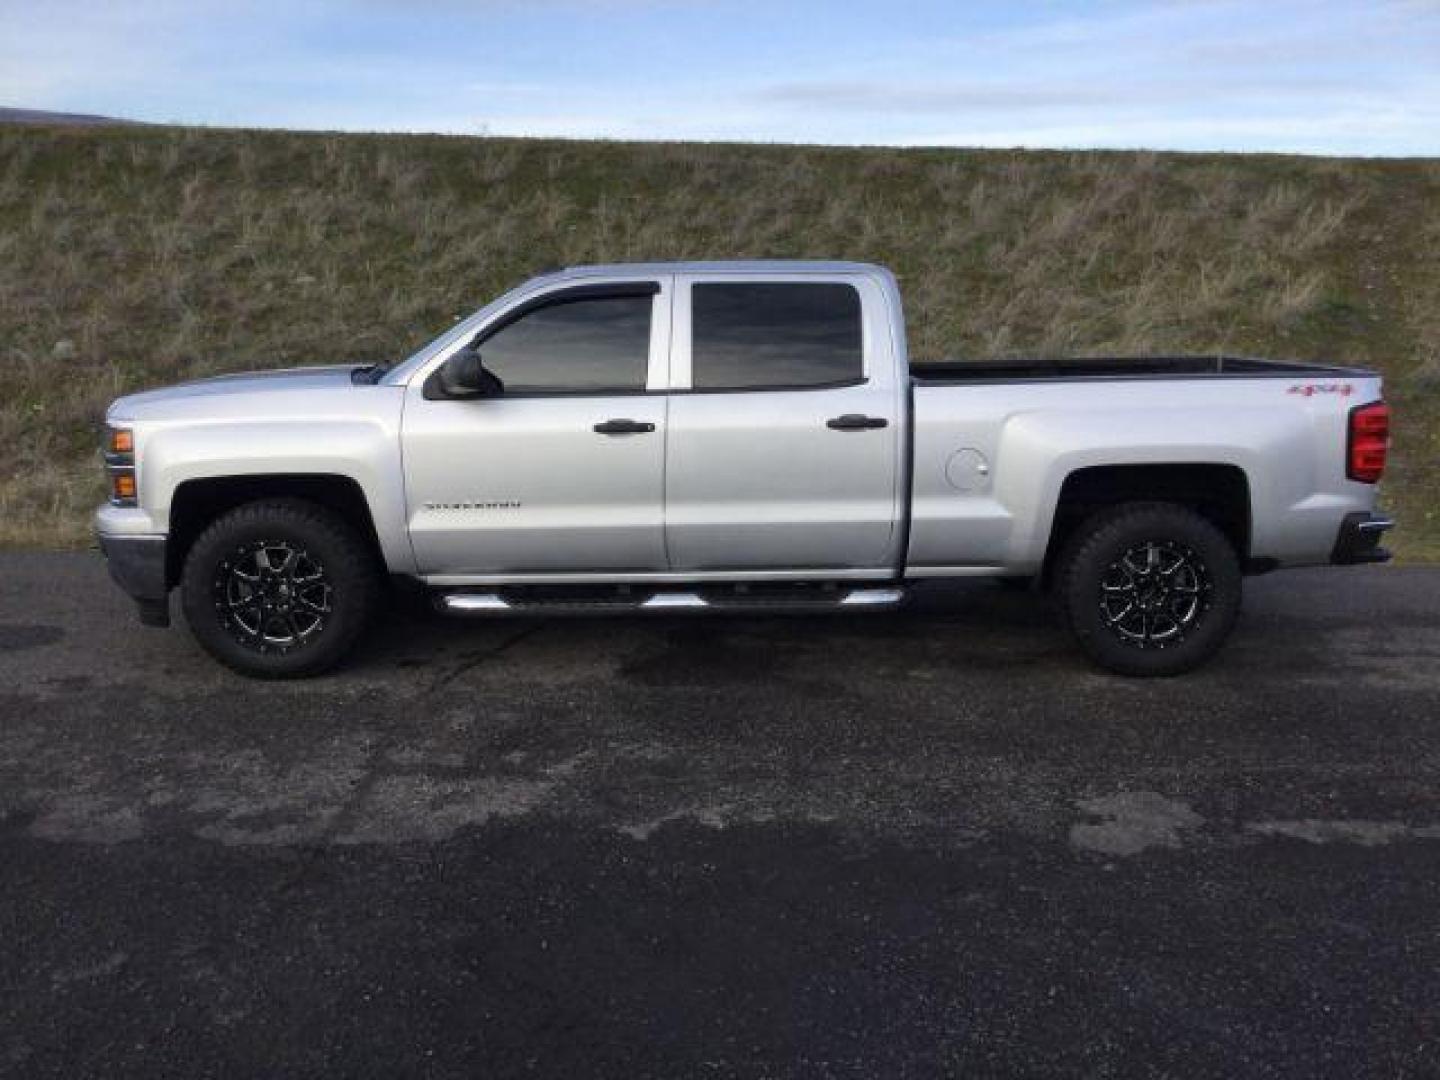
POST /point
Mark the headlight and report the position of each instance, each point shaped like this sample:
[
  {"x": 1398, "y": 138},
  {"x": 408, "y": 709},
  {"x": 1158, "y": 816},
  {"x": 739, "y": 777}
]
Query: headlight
[{"x": 120, "y": 465}]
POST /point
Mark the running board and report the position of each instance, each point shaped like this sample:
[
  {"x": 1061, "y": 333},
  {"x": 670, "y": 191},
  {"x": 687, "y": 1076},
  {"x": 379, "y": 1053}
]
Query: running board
[{"x": 668, "y": 602}]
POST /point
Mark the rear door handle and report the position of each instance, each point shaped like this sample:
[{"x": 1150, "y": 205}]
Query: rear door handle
[
  {"x": 624, "y": 427},
  {"x": 856, "y": 422}
]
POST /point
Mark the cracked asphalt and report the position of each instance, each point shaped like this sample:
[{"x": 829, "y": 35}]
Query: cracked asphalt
[{"x": 923, "y": 844}]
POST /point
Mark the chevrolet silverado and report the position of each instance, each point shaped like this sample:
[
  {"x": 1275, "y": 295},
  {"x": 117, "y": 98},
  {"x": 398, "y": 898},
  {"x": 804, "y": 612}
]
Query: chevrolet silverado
[{"x": 742, "y": 436}]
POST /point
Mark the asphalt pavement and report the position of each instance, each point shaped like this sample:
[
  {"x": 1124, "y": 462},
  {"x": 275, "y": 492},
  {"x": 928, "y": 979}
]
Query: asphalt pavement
[{"x": 920, "y": 844}]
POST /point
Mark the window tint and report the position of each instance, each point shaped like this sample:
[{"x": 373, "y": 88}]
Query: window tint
[
  {"x": 774, "y": 335},
  {"x": 602, "y": 343}
]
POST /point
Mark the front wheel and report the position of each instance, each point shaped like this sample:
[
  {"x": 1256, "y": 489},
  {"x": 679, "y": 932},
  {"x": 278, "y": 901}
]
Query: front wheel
[
  {"x": 279, "y": 589},
  {"x": 1149, "y": 588}
]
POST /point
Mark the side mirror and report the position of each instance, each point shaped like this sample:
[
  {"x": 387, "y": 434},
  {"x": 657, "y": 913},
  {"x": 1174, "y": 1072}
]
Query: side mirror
[{"x": 464, "y": 376}]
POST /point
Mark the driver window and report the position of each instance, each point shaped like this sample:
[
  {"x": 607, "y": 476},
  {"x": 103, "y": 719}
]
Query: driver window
[{"x": 594, "y": 344}]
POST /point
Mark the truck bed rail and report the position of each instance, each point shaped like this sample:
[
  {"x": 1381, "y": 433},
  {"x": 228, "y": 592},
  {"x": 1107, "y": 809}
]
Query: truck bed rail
[{"x": 941, "y": 372}]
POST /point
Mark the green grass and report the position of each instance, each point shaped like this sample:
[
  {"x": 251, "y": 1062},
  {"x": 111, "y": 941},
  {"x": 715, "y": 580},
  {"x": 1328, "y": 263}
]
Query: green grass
[{"x": 131, "y": 257}]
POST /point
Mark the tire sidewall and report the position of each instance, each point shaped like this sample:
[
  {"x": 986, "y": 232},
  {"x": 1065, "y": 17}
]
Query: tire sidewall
[
  {"x": 1109, "y": 536},
  {"x": 324, "y": 537}
]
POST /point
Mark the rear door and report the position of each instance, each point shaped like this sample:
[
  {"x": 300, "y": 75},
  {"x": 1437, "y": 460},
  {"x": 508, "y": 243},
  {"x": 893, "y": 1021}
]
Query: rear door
[{"x": 784, "y": 438}]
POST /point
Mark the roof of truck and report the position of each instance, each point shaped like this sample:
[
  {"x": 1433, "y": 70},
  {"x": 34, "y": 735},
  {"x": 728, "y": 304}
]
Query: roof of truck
[{"x": 724, "y": 266}]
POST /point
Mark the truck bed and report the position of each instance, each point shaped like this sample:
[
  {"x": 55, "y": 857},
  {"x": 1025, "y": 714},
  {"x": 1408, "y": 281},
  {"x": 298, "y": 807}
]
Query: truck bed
[{"x": 940, "y": 372}]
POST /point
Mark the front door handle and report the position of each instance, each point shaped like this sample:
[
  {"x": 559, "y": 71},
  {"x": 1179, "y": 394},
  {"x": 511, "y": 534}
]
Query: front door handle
[
  {"x": 856, "y": 422},
  {"x": 624, "y": 427}
]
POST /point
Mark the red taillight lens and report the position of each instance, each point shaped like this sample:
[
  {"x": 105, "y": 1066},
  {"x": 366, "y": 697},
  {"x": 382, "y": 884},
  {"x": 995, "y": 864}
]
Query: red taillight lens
[{"x": 1369, "y": 442}]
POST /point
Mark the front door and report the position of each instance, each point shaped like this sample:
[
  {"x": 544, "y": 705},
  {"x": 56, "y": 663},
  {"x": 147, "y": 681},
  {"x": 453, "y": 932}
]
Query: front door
[
  {"x": 564, "y": 470},
  {"x": 785, "y": 426}
]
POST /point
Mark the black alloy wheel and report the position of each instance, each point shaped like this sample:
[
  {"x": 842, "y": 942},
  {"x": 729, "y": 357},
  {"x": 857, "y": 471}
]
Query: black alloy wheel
[
  {"x": 279, "y": 588},
  {"x": 1149, "y": 588},
  {"x": 273, "y": 595},
  {"x": 1154, "y": 594}
]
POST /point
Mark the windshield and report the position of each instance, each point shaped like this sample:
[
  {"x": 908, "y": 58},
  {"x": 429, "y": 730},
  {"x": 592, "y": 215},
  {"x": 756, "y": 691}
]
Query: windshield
[
  {"x": 435, "y": 344},
  {"x": 462, "y": 329}
]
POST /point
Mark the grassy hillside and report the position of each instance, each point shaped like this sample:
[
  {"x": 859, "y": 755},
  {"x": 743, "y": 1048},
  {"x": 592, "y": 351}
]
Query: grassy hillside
[{"x": 136, "y": 256}]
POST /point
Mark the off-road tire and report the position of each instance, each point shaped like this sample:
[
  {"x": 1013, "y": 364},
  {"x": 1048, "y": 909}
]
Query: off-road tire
[
  {"x": 306, "y": 623},
  {"x": 1109, "y": 560}
]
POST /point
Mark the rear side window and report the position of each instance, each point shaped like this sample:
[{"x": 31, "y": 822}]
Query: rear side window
[
  {"x": 774, "y": 334},
  {"x": 596, "y": 345}
]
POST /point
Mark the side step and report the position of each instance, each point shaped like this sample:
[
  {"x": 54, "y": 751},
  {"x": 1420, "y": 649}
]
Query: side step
[{"x": 668, "y": 601}]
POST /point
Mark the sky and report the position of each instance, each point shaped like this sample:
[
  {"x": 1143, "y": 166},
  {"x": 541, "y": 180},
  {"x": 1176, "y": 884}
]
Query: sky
[{"x": 1352, "y": 77}]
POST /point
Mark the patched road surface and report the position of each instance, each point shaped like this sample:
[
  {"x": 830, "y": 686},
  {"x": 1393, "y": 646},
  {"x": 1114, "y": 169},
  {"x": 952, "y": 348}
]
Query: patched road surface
[{"x": 925, "y": 844}]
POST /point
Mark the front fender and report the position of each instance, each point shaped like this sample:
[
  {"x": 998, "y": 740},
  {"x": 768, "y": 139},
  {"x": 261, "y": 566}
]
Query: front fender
[{"x": 365, "y": 451}]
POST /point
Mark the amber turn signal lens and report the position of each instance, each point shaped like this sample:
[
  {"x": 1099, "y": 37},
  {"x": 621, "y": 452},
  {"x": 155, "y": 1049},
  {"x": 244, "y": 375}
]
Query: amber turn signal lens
[
  {"x": 122, "y": 441},
  {"x": 122, "y": 485}
]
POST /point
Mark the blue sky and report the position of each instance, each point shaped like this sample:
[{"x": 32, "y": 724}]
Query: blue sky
[{"x": 1321, "y": 76}]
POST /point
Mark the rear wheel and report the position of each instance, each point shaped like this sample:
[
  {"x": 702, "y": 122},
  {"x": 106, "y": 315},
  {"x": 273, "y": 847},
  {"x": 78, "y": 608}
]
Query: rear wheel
[
  {"x": 1149, "y": 588},
  {"x": 279, "y": 589}
]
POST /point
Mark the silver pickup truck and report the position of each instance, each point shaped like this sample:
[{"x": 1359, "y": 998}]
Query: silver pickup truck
[{"x": 739, "y": 436}]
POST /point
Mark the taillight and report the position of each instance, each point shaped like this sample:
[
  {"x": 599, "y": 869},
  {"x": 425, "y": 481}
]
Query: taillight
[{"x": 1368, "y": 443}]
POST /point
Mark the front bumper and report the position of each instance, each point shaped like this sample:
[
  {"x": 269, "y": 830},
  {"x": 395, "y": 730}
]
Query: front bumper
[
  {"x": 137, "y": 564},
  {"x": 1358, "y": 540}
]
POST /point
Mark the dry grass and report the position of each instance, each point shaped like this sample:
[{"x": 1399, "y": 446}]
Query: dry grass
[{"x": 135, "y": 257}]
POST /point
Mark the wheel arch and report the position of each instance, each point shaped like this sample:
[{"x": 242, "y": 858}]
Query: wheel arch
[
  {"x": 1219, "y": 492},
  {"x": 198, "y": 502}
]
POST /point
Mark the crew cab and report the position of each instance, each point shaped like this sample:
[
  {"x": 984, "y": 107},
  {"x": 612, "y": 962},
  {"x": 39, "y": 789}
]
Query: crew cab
[{"x": 731, "y": 436}]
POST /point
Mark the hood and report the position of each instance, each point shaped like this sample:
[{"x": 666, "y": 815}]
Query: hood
[{"x": 329, "y": 378}]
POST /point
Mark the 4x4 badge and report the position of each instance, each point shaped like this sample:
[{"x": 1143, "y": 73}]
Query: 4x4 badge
[{"x": 1344, "y": 389}]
